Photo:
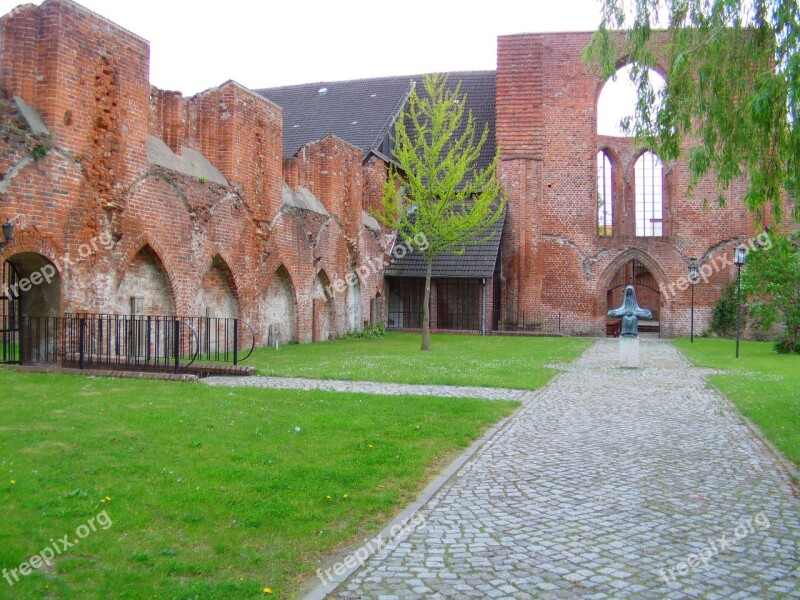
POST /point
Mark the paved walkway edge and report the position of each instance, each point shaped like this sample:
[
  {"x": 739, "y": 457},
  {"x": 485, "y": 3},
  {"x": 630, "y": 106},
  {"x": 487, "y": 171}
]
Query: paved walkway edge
[
  {"x": 755, "y": 431},
  {"x": 324, "y": 589}
]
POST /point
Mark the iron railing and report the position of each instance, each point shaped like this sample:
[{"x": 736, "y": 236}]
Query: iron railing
[{"x": 105, "y": 341}]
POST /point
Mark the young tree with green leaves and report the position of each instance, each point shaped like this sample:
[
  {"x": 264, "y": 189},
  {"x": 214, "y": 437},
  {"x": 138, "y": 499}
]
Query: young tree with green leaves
[
  {"x": 733, "y": 88},
  {"x": 771, "y": 284},
  {"x": 437, "y": 192}
]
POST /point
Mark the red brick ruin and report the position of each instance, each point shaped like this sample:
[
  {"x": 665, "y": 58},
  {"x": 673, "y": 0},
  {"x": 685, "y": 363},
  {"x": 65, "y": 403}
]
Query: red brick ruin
[{"x": 201, "y": 212}]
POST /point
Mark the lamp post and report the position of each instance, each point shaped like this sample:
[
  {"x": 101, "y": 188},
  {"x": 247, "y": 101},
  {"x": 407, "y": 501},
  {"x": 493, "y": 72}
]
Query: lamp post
[
  {"x": 694, "y": 277},
  {"x": 739, "y": 258}
]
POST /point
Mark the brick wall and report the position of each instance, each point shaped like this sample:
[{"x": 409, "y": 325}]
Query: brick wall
[
  {"x": 554, "y": 259},
  {"x": 231, "y": 243},
  {"x": 182, "y": 242}
]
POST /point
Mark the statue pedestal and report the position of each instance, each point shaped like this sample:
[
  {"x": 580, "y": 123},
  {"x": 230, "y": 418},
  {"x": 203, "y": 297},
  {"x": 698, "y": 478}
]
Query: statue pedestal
[{"x": 629, "y": 352}]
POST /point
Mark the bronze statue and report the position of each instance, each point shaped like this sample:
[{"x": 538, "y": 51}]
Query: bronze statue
[{"x": 630, "y": 312}]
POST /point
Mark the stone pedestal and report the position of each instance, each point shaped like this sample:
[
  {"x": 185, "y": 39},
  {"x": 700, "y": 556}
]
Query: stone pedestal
[{"x": 629, "y": 352}]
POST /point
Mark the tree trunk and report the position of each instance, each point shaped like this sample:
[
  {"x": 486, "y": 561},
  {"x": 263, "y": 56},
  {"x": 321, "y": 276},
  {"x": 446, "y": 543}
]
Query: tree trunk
[{"x": 426, "y": 308}]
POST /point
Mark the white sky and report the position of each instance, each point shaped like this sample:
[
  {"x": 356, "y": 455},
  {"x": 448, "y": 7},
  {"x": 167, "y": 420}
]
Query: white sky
[
  {"x": 199, "y": 44},
  {"x": 618, "y": 100}
]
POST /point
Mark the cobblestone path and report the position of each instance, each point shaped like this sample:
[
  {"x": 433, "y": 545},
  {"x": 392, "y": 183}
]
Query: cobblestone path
[{"x": 606, "y": 484}]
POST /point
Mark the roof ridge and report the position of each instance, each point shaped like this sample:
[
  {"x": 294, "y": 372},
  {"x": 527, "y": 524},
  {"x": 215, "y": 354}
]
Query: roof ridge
[{"x": 410, "y": 77}]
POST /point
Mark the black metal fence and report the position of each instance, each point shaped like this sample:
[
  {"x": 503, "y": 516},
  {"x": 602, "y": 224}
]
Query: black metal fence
[{"x": 104, "y": 341}]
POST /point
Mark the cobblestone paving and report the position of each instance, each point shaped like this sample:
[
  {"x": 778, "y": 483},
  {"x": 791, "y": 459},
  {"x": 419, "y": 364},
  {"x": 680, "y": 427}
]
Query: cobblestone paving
[
  {"x": 367, "y": 387},
  {"x": 606, "y": 484}
]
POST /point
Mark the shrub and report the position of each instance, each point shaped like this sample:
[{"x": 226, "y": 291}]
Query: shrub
[
  {"x": 785, "y": 346},
  {"x": 772, "y": 281},
  {"x": 369, "y": 331},
  {"x": 723, "y": 321}
]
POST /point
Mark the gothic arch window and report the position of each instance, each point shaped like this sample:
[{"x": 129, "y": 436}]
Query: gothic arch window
[
  {"x": 617, "y": 100},
  {"x": 605, "y": 194},
  {"x": 648, "y": 180}
]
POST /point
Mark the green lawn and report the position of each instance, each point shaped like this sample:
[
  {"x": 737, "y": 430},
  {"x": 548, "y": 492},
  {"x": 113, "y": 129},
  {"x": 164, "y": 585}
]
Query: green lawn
[
  {"x": 764, "y": 385},
  {"x": 493, "y": 361},
  {"x": 214, "y": 492}
]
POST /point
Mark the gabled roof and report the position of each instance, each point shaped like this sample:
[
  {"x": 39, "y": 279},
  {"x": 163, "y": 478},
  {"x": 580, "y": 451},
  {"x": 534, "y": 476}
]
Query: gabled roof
[
  {"x": 477, "y": 261},
  {"x": 359, "y": 112},
  {"x": 362, "y": 111}
]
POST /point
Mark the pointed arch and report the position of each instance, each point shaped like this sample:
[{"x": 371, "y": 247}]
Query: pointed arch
[
  {"x": 217, "y": 253},
  {"x": 606, "y": 191},
  {"x": 624, "y": 258},
  {"x": 321, "y": 288},
  {"x": 327, "y": 224},
  {"x": 616, "y": 97},
  {"x": 137, "y": 245},
  {"x": 145, "y": 286},
  {"x": 635, "y": 267},
  {"x": 279, "y": 308},
  {"x": 17, "y": 168},
  {"x": 163, "y": 178},
  {"x": 216, "y": 296},
  {"x": 648, "y": 195}
]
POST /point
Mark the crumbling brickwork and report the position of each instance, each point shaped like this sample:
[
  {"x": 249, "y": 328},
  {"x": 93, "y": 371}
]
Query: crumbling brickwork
[
  {"x": 188, "y": 193},
  {"x": 142, "y": 199}
]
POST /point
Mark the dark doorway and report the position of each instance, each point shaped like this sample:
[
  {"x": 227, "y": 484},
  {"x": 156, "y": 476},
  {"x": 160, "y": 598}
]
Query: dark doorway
[{"x": 30, "y": 306}]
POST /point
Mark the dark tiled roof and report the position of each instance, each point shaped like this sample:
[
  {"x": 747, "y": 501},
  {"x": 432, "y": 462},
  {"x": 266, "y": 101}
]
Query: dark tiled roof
[
  {"x": 478, "y": 260},
  {"x": 479, "y": 87},
  {"x": 361, "y": 112}
]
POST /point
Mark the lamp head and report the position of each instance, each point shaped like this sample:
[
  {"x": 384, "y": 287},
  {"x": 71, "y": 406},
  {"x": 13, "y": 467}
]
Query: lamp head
[
  {"x": 694, "y": 273},
  {"x": 740, "y": 255}
]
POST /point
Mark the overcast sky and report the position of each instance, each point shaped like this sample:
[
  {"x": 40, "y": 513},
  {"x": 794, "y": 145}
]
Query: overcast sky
[
  {"x": 195, "y": 45},
  {"x": 199, "y": 44}
]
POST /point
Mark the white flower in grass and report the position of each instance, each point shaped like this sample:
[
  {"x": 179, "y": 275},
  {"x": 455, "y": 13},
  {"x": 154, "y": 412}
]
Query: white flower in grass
[{"x": 297, "y": 429}]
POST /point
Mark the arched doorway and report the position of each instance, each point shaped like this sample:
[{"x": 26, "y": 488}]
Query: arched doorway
[
  {"x": 635, "y": 273},
  {"x": 30, "y": 306}
]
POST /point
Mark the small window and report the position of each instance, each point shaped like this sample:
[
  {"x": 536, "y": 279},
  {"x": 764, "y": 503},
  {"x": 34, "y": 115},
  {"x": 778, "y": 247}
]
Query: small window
[
  {"x": 649, "y": 184},
  {"x": 605, "y": 195}
]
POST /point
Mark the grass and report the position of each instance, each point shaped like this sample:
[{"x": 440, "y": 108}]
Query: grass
[
  {"x": 763, "y": 384},
  {"x": 494, "y": 361},
  {"x": 214, "y": 492}
]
